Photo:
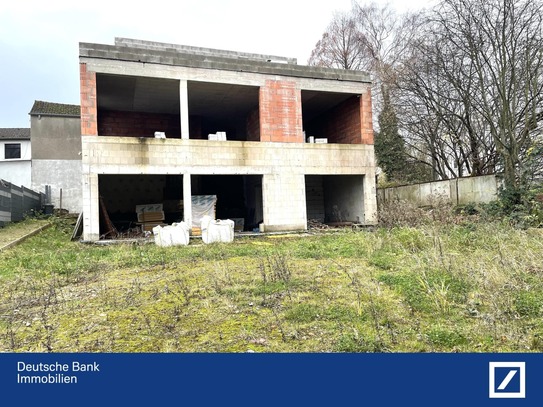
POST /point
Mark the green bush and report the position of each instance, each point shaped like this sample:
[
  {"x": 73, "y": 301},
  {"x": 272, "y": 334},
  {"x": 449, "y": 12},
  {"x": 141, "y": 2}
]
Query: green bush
[{"x": 521, "y": 207}]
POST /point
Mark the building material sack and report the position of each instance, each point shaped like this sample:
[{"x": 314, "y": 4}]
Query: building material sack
[
  {"x": 217, "y": 230},
  {"x": 176, "y": 234}
]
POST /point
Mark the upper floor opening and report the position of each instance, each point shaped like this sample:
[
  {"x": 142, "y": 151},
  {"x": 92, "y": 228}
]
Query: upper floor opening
[{"x": 137, "y": 106}]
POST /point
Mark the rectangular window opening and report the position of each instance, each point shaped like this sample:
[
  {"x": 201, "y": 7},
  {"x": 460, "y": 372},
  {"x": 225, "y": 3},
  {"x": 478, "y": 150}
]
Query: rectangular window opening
[{"x": 12, "y": 151}]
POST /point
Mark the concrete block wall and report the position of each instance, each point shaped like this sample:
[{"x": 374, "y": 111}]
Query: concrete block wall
[
  {"x": 121, "y": 194},
  {"x": 281, "y": 112},
  {"x": 284, "y": 202},
  {"x": 283, "y": 167},
  {"x": 346, "y": 198},
  {"x": 122, "y": 155},
  {"x": 314, "y": 196}
]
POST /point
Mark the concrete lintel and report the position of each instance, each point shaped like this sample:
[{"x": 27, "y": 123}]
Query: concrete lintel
[{"x": 200, "y": 74}]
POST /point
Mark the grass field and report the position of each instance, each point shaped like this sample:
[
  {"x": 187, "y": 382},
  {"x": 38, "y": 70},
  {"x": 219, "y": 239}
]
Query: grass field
[{"x": 464, "y": 287}]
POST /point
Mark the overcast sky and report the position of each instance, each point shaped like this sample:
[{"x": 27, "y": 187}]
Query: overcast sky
[{"x": 39, "y": 40}]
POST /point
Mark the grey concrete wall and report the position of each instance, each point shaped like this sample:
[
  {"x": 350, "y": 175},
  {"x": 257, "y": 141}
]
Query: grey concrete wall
[
  {"x": 56, "y": 138},
  {"x": 56, "y": 159},
  {"x": 455, "y": 191},
  {"x": 62, "y": 175},
  {"x": 477, "y": 189}
]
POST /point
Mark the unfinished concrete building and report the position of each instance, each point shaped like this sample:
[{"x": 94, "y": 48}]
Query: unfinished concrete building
[{"x": 277, "y": 143}]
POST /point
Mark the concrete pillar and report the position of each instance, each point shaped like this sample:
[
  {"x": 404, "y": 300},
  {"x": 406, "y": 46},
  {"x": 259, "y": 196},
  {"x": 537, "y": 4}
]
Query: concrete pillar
[
  {"x": 89, "y": 110},
  {"x": 184, "y": 103},
  {"x": 366, "y": 117},
  {"x": 370, "y": 198},
  {"x": 91, "y": 207},
  {"x": 187, "y": 199}
]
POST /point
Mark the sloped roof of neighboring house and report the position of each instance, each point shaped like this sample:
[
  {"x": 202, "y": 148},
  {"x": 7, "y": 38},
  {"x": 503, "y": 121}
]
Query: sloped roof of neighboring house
[
  {"x": 55, "y": 109},
  {"x": 14, "y": 134}
]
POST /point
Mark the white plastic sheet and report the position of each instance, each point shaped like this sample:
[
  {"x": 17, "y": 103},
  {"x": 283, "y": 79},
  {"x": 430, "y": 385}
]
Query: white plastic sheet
[
  {"x": 176, "y": 234},
  {"x": 202, "y": 205},
  {"x": 217, "y": 230}
]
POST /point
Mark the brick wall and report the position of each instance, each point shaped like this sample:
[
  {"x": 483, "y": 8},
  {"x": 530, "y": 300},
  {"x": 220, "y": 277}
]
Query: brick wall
[
  {"x": 89, "y": 124},
  {"x": 281, "y": 112},
  {"x": 136, "y": 124},
  {"x": 366, "y": 117},
  {"x": 253, "y": 126},
  {"x": 350, "y": 122},
  {"x": 343, "y": 123}
]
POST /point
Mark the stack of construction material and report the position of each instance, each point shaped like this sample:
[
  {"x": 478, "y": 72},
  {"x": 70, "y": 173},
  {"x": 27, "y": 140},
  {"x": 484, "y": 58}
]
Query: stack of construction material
[
  {"x": 150, "y": 216},
  {"x": 219, "y": 136},
  {"x": 202, "y": 205}
]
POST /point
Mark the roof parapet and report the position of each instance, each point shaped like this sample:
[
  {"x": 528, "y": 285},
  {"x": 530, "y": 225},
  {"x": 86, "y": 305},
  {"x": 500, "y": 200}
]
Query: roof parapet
[{"x": 187, "y": 49}]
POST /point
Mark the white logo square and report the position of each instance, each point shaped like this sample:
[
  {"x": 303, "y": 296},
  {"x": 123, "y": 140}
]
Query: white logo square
[{"x": 515, "y": 378}]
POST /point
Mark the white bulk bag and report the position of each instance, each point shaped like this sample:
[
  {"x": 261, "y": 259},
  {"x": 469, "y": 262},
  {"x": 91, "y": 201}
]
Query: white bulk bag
[
  {"x": 217, "y": 230},
  {"x": 176, "y": 234}
]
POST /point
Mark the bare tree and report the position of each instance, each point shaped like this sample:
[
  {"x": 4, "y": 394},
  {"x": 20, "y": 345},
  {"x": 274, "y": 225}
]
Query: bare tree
[
  {"x": 373, "y": 38},
  {"x": 477, "y": 71},
  {"x": 434, "y": 108},
  {"x": 341, "y": 46}
]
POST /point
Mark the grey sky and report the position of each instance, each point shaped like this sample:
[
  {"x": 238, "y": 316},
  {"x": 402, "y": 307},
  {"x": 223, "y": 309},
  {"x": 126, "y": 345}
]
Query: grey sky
[{"x": 39, "y": 41}]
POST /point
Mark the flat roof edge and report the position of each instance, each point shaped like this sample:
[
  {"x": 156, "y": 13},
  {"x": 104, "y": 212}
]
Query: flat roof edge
[
  {"x": 177, "y": 58},
  {"x": 151, "y": 45}
]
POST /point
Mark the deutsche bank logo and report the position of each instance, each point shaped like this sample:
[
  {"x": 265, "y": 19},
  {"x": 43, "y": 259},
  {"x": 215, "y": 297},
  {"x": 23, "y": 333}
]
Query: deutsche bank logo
[{"x": 507, "y": 380}]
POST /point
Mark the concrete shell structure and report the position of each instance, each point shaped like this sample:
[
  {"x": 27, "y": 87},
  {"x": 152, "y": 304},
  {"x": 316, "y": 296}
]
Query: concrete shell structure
[{"x": 277, "y": 143}]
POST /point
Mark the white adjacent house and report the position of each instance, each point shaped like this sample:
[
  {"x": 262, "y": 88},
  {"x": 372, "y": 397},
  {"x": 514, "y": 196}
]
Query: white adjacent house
[{"x": 15, "y": 156}]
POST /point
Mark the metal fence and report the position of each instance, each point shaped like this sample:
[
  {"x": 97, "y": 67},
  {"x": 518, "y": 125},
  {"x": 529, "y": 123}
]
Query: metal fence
[{"x": 16, "y": 202}]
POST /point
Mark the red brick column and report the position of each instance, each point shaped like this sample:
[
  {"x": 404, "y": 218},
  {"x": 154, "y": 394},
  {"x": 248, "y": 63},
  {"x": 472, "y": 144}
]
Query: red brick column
[
  {"x": 366, "y": 117},
  {"x": 281, "y": 112},
  {"x": 89, "y": 111}
]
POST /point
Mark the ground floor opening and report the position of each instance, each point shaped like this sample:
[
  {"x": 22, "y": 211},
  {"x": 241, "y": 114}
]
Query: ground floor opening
[
  {"x": 124, "y": 197},
  {"x": 335, "y": 199}
]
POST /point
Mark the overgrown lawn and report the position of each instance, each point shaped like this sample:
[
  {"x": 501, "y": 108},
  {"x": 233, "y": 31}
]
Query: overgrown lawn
[{"x": 469, "y": 287}]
